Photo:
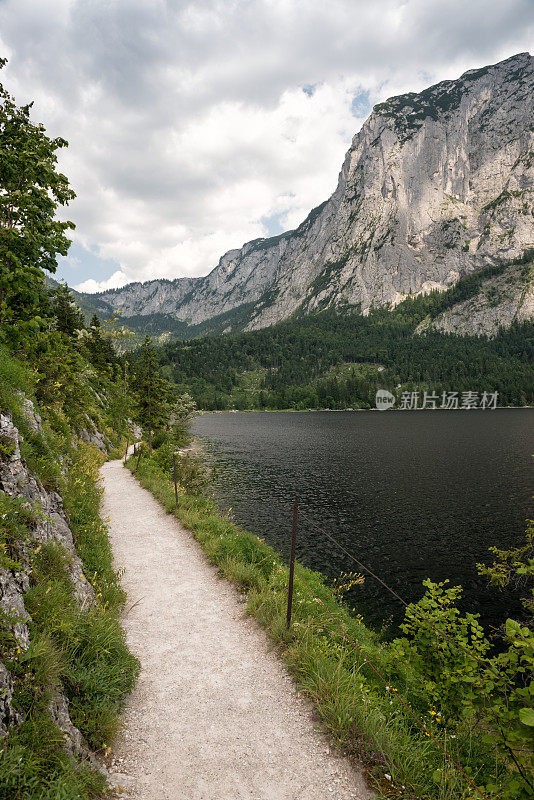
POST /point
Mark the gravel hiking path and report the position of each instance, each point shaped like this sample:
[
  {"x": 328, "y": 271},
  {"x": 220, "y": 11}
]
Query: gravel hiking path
[{"x": 214, "y": 716}]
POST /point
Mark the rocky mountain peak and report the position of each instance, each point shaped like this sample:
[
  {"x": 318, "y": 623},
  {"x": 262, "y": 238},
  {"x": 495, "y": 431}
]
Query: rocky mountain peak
[{"x": 435, "y": 185}]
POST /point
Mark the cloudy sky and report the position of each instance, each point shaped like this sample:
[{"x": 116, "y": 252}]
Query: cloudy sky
[{"x": 197, "y": 126}]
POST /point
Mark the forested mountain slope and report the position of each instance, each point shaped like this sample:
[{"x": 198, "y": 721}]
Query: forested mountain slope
[{"x": 332, "y": 360}]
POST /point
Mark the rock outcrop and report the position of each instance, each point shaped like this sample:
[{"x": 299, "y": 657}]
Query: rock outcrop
[
  {"x": 501, "y": 301},
  {"x": 434, "y": 186},
  {"x": 91, "y": 435},
  {"x": 49, "y": 524}
]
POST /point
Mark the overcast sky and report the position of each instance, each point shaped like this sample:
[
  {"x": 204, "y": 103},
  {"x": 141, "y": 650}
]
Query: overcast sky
[{"x": 197, "y": 126}]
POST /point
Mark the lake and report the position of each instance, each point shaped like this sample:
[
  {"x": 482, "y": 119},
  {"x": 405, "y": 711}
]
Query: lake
[{"x": 411, "y": 494}]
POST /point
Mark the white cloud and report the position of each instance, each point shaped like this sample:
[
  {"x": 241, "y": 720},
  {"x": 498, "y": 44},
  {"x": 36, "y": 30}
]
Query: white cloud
[
  {"x": 191, "y": 124},
  {"x": 117, "y": 280}
]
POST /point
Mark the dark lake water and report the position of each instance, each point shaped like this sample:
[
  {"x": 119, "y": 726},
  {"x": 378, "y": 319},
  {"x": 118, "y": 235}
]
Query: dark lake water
[{"x": 412, "y": 494}]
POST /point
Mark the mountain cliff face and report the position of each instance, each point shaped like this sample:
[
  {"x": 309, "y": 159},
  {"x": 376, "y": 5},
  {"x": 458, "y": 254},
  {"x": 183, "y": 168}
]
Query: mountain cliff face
[
  {"x": 501, "y": 301},
  {"x": 434, "y": 186}
]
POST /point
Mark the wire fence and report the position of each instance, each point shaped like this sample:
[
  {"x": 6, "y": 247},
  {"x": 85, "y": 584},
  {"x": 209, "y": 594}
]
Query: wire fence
[
  {"x": 485, "y": 663},
  {"x": 353, "y": 641},
  {"x": 296, "y": 512}
]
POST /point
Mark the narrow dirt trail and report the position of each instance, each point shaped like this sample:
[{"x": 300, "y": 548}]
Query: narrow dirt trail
[{"x": 214, "y": 715}]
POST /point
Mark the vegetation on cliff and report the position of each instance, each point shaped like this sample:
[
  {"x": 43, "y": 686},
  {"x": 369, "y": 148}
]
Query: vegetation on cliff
[{"x": 64, "y": 665}]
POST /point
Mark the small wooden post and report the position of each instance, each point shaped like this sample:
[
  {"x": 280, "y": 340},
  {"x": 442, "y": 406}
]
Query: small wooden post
[
  {"x": 127, "y": 445},
  {"x": 139, "y": 457},
  {"x": 292, "y": 560},
  {"x": 174, "y": 474}
]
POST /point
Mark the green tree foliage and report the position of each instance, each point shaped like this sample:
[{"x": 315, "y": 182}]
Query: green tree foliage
[
  {"x": 71, "y": 362},
  {"x": 31, "y": 189},
  {"x": 190, "y": 471},
  {"x": 68, "y": 317},
  {"x": 75, "y": 380},
  {"x": 444, "y": 647},
  {"x": 515, "y": 567},
  {"x": 121, "y": 408},
  {"x": 99, "y": 345},
  {"x": 183, "y": 412},
  {"x": 152, "y": 391},
  {"x": 43, "y": 327}
]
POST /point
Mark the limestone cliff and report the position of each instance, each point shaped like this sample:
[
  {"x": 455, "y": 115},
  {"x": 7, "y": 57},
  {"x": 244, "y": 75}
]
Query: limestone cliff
[
  {"x": 501, "y": 301},
  {"x": 49, "y": 523},
  {"x": 434, "y": 186}
]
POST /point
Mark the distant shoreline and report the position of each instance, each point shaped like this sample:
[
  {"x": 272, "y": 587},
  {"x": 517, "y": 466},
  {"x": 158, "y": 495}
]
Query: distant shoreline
[{"x": 344, "y": 410}]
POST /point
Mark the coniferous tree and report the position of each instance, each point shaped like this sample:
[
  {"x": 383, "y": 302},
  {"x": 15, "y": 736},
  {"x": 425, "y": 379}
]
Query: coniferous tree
[
  {"x": 153, "y": 392},
  {"x": 100, "y": 348},
  {"x": 67, "y": 315}
]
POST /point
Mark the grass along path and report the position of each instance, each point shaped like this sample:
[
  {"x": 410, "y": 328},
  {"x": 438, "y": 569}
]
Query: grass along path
[{"x": 214, "y": 715}]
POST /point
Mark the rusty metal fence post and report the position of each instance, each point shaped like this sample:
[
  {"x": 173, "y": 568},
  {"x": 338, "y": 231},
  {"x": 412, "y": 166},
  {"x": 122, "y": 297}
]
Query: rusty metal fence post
[
  {"x": 292, "y": 560},
  {"x": 174, "y": 475}
]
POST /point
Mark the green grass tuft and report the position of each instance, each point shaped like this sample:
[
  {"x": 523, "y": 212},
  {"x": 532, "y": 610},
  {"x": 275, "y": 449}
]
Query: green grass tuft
[
  {"x": 364, "y": 715},
  {"x": 81, "y": 651}
]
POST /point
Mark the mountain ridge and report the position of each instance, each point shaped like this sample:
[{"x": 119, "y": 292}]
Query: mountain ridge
[{"x": 434, "y": 186}]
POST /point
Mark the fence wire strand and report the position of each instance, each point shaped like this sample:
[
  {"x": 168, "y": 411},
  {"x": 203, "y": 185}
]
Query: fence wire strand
[{"x": 424, "y": 620}]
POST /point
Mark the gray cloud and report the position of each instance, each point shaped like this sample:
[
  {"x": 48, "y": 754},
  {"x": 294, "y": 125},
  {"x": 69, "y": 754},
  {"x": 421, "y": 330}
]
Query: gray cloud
[{"x": 188, "y": 122}]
